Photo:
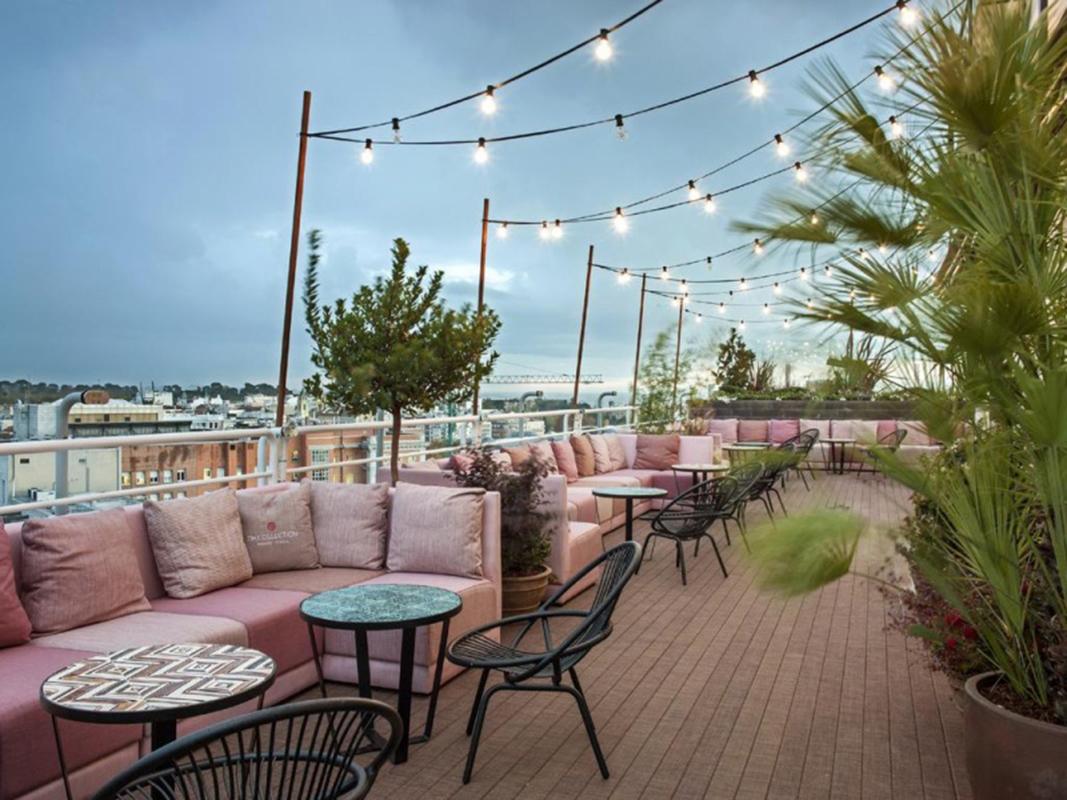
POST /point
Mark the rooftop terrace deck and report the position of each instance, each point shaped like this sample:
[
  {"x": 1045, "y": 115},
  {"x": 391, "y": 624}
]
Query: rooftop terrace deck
[{"x": 718, "y": 690}]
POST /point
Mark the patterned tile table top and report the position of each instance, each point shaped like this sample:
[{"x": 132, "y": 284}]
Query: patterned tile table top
[
  {"x": 382, "y": 604},
  {"x": 158, "y": 678}
]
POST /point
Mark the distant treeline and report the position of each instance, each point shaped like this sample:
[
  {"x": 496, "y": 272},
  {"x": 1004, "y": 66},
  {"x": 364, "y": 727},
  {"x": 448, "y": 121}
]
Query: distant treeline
[{"x": 29, "y": 392}]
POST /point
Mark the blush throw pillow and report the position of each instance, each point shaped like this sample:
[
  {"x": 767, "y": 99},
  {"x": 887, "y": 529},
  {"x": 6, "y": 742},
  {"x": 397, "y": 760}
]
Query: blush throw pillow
[
  {"x": 601, "y": 454},
  {"x": 517, "y": 454},
  {"x": 565, "y": 459},
  {"x": 726, "y": 428},
  {"x": 543, "y": 451},
  {"x": 782, "y": 429},
  {"x": 80, "y": 569},
  {"x": 277, "y": 528},
  {"x": 583, "y": 455},
  {"x": 865, "y": 431},
  {"x": 616, "y": 451},
  {"x": 752, "y": 430},
  {"x": 197, "y": 543},
  {"x": 14, "y": 624},
  {"x": 657, "y": 451},
  {"x": 436, "y": 529},
  {"x": 820, "y": 425},
  {"x": 351, "y": 523}
]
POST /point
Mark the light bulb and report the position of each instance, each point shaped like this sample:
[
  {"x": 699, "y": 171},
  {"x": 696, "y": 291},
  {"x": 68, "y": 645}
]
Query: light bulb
[
  {"x": 744, "y": 285},
  {"x": 675, "y": 302},
  {"x": 620, "y": 222},
  {"x": 785, "y": 323},
  {"x": 810, "y": 304},
  {"x": 828, "y": 270},
  {"x": 624, "y": 276},
  {"x": 755, "y": 85},
  {"x": 620, "y": 127},
  {"x": 700, "y": 318},
  {"x": 502, "y": 231},
  {"x": 803, "y": 273},
  {"x": 801, "y": 173},
  {"x": 741, "y": 324},
  {"x": 557, "y": 230},
  {"x": 757, "y": 247},
  {"x": 488, "y": 102},
  {"x": 766, "y": 308},
  {"x": 544, "y": 232},
  {"x": 851, "y": 294},
  {"x": 685, "y": 287},
  {"x": 885, "y": 80},
  {"x": 777, "y": 288},
  {"x": 367, "y": 155},
  {"x": 814, "y": 218},
  {"x": 883, "y": 249},
  {"x": 932, "y": 255},
  {"x": 780, "y": 146},
  {"x": 664, "y": 274},
  {"x": 603, "y": 49},
  {"x": 896, "y": 128},
  {"x": 862, "y": 254},
  {"x": 481, "y": 152},
  {"x": 722, "y": 308},
  {"x": 396, "y": 130},
  {"x": 908, "y": 15},
  {"x": 694, "y": 192},
  {"x": 709, "y": 207}
]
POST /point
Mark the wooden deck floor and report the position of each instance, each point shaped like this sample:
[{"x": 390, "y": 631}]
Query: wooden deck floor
[{"x": 717, "y": 690}]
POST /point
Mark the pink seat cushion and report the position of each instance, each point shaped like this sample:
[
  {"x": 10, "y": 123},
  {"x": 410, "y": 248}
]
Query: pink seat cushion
[
  {"x": 584, "y": 503},
  {"x": 27, "y": 753},
  {"x": 752, "y": 430},
  {"x": 783, "y": 429},
  {"x": 270, "y": 616},
  {"x": 311, "y": 581},
  {"x": 565, "y": 460},
  {"x": 14, "y": 624},
  {"x": 644, "y": 476},
  {"x": 726, "y": 428}
]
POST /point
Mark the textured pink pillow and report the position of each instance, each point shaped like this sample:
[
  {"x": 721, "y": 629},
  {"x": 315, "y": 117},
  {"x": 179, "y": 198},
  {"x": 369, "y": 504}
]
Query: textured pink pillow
[
  {"x": 351, "y": 523},
  {"x": 583, "y": 455},
  {"x": 601, "y": 454},
  {"x": 81, "y": 569},
  {"x": 657, "y": 451},
  {"x": 564, "y": 454},
  {"x": 277, "y": 528},
  {"x": 14, "y": 624},
  {"x": 436, "y": 529},
  {"x": 752, "y": 430},
  {"x": 782, "y": 429},
  {"x": 517, "y": 454},
  {"x": 543, "y": 450},
  {"x": 726, "y": 428},
  {"x": 886, "y": 427},
  {"x": 821, "y": 425},
  {"x": 616, "y": 450}
]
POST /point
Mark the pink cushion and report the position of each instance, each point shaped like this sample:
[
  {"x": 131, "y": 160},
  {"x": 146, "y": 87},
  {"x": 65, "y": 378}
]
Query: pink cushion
[
  {"x": 436, "y": 529},
  {"x": 841, "y": 429},
  {"x": 198, "y": 542},
  {"x": 543, "y": 450},
  {"x": 461, "y": 461},
  {"x": 351, "y": 523},
  {"x": 886, "y": 427},
  {"x": 565, "y": 460},
  {"x": 865, "y": 431},
  {"x": 917, "y": 434},
  {"x": 271, "y": 617},
  {"x": 752, "y": 430},
  {"x": 821, "y": 425},
  {"x": 616, "y": 451},
  {"x": 517, "y": 454},
  {"x": 277, "y": 528},
  {"x": 601, "y": 454},
  {"x": 27, "y": 753},
  {"x": 583, "y": 456},
  {"x": 14, "y": 624},
  {"x": 79, "y": 569},
  {"x": 726, "y": 428},
  {"x": 657, "y": 451},
  {"x": 783, "y": 429}
]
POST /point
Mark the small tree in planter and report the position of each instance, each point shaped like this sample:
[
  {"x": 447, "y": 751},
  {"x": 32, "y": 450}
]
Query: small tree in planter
[
  {"x": 395, "y": 345},
  {"x": 525, "y": 542}
]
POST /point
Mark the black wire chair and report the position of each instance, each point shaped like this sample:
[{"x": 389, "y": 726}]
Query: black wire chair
[
  {"x": 541, "y": 669},
  {"x": 802, "y": 443},
  {"x": 779, "y": 461},
  {"x": 302, "y": 750},
  {"x": 889, "y": 443}
]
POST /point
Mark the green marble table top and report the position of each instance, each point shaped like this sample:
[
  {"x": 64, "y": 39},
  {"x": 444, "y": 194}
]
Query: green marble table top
[{"x": 381, "y": 605}]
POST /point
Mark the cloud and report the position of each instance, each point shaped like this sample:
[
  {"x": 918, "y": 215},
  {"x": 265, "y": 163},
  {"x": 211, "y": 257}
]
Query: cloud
[{"x": 466, "y": 273}]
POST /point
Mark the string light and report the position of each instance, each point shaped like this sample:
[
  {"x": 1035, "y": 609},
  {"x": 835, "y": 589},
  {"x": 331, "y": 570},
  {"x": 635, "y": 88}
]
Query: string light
[
  {"x": 885, "y": 79},
  {"x": 908, "y": 15},
  {"x": 557, "y": 230},
  {"x": 801, "y": 172},
  {"x": 757, "y": 248},
  {"x": 766, "y": 309},
  {"x": 883, "y": 248},
  {"x": 851, "y": 294},
  {"x": 367, "y": 156},
  {"x": 685, "y": 287},
  {"x": 755, "y": 85},
  {"x": 664, "y": 274},
  {"x": 722, "y": 308},
  {"x": 396, "y": 130},
  {"x": 814, "y": 218},
  {"x": 780, "y": 146},
  {"x": 744, "y": 285},
  {"x": 694, "y": 192},
  {"x": 502, "y": 231},
  {"x": 620, "y": 223},
  {"x": 810, "y": 304},
  {"x": 803, "y": 273},
  {"x": 620, "y": 127},
  {"x": 932, "y": 255},
  {"x": 675, "y": 302},
  {"x": 709, "y": 208},
  {"x": 862, "y": 254},
  {"x": 777, "y": 288},
  {"x": 603, "y": 50},
  {"x": 896, "y": 128},
  {"x": 700, "y": 318},
  {"x": 624, "y": 276},
  {"x": 544, "y": 231},
  {"x": 481, "y": 152},
  {"x": 741, "y": 324},
  {"x": 828, "y": 270},
  {"x": 785, "y": 323},
  {"x": 489, "y": 102}
]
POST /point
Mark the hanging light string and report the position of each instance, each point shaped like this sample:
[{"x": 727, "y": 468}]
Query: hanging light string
[
  {"x": 616, "y": 119},
  {"x": 597, "y": 38}
]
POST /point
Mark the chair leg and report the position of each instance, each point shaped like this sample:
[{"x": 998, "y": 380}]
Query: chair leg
[
  {"x": 681, "y": 561},
  {"x": 590, "y": 728},
  {"x": 767, "y": 505},
  {"x": 744, "y": 535},
  {"x": 726, "y": 530},
  {"x": 477, "y": 699},
  {"x": 780, "y": 501},
  {"x": 479, "y": 719},
  {"x": 804, "y": 478},
  {"x": 718, "y": 555}
]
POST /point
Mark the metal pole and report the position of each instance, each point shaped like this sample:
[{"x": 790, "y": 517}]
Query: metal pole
[
  {"x": 294, "y": 246},
  {"x": 677, "y": 356},
  {"x": 581, "y": 332},
  {"x": 475, "y": 398},
  {"x": 640, "y": 325}
]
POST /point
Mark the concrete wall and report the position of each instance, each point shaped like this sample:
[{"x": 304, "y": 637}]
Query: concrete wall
[{"x": 807, "y": 409}]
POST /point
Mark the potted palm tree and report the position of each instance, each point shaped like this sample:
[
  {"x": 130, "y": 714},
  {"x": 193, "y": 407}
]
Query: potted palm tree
[
  {"x": 524, "y": 525},
  {"x": 949, "y": 229}
]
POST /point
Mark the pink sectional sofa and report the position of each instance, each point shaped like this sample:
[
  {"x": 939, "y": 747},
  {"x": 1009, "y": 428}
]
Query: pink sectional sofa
[{"x": 261, "y": 613}]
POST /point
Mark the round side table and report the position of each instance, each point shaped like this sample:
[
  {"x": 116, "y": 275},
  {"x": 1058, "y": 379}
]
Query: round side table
[
  {"x": 382, "y": 607},
  {"x": 629, "y": 494},
  {"x": 838, "y": 446}
]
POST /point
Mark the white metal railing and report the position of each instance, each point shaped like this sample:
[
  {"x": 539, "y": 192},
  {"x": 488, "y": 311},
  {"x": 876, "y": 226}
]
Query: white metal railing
[{"x": 272, "y": 453}]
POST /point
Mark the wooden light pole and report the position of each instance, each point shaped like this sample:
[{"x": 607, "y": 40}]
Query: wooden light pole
[
  {"x": 481, "y": 290},
  {"x": 677, "y": 354},
  {"x": 640, "y": 325},
  {"x": 294, "y": 247},
  {"x": 581, "y": 332}
]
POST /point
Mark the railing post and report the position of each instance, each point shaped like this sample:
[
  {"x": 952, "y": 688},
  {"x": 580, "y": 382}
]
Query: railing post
[
  {"x": 263, "y": 463},
  {"x": 379, "y": 449}
]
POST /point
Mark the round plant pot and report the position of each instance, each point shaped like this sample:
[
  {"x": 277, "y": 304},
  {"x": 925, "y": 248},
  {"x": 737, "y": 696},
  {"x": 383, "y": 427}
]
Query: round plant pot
[
  {"x": 523, "y": 593},
  {"x": 1009, "y": 756}
]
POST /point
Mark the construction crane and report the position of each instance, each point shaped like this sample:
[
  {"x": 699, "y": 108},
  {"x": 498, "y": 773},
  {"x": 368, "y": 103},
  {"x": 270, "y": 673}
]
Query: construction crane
[{"x": 561, "y": 378}]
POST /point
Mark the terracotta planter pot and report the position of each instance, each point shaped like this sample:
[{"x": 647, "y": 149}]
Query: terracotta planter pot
[
  {"x": 524, "y": 593},
  {"x": 1009, "y": 756}
]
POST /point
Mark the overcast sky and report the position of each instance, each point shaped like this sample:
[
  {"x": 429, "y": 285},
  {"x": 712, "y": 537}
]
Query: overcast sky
[{"x": 150, "y": 147}]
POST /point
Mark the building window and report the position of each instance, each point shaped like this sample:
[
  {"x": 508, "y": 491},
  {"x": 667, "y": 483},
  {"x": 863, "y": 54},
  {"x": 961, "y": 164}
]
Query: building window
[
  {"x": 138, "y": 478},
  {"x": 125, "y": 479},
  {"x": 320, "y": 455},
  {"x": 221, "y": 472},
  {"x": 207, "y": 473},
  {"x": 179, "y": 474},
  {"x": 24, "y": 461},
  {"x": 153, "y": 477}
]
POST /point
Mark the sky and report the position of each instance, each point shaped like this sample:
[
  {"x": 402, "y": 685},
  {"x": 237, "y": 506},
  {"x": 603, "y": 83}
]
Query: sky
[{"x": 150, "y": 152}]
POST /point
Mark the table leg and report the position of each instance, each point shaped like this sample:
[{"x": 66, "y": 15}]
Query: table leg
[
  {"x": 318, "y": 660},
  {"x": 363, "y": 662},
  {"x": 62, "y": 760},
  {"x": 163, "y": 733},
  {"x": 403, "y": 700},
  {"x": 629, "y": 519}
]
